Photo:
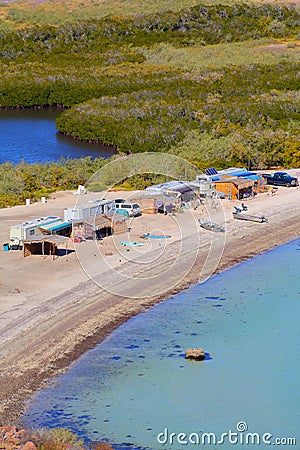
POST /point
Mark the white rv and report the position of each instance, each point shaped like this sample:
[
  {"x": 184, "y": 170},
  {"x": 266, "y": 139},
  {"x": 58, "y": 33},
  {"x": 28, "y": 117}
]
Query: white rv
[
  {"x": 29, "y": 229},
  {"x": 93, "y": 208}
]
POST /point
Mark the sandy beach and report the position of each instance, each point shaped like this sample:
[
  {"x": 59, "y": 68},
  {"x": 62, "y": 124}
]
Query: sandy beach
[{"x": 52, "y": 311}]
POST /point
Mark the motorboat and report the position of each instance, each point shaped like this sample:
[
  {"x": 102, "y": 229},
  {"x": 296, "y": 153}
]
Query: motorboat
[{"x": 211, "y": 226}]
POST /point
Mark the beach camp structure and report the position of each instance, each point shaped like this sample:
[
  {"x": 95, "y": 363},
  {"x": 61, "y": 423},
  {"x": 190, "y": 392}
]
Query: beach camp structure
[
  {"x": 153, "y": 204},
  {"x": 206, "y": 187},
  {"x": 95, "y": 220},
  {"x": 213, "y": 174},
  {"x": 184, "y": 190},
  {"x": 98, "y": 227},
  {"x": 44, "y": 245},
  {"x": 59, "y": 227},
  {"x": 36, "y": 227},
  {"x": 91, "y": 209},
  {"x": 235, "y": 188},
  {"x": 234, "y": 182}
]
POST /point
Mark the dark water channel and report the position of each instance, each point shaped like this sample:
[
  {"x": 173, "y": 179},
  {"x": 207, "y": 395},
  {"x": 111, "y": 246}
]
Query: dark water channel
[{"x": 31, "y": 135}]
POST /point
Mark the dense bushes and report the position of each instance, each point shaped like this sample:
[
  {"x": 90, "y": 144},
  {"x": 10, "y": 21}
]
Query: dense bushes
[
  {"x": 210, "y": 23},
  {"x": 32, "y": 84},
  {"x": 244, "y": 104},
  {"x": 222, "y": 114},
  {"x": 12, "y": 438},
  {"x": 21, "y": 181}
]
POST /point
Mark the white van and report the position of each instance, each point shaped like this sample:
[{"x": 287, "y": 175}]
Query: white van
[{"x": 133, "y": 209}]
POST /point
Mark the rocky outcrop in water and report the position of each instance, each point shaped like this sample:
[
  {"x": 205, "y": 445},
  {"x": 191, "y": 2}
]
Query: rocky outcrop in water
[{"x": 195, "y": 353}]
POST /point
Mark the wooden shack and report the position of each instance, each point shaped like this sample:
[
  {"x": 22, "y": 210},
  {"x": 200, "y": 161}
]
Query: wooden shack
[
  {"x": 119, "y": 224},
  {"x": 44, "y": 245},
  {"x": 153, "y": 204},
  {"x": 99, "y": 227},
  {"x": 148, "y": 204},
  {"x": 235, "y": 188}
]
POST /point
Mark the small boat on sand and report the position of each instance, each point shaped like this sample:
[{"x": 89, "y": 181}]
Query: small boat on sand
[
  {"x": 241, "y": 216},
  {"x": 211, "y": 226}
]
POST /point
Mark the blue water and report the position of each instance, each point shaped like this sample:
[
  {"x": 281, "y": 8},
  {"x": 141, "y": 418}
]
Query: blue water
[
  {"x": 32, "y": 135},
  {"x": 137, "y": 383}
]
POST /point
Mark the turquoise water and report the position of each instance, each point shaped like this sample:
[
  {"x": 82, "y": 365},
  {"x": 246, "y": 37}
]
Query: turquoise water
[{"x": 136, "y": 384}]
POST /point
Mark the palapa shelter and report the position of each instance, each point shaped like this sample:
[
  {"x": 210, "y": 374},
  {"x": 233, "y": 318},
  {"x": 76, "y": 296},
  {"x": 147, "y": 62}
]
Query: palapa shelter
[
  {"x": 235, "y": 188},
  {"x": 44, "y": 245},
  {"x": 98, "y": 227}
]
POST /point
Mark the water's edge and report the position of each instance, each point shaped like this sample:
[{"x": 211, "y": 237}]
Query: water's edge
[
  {"x": 54, "y": 420},
  {"x": 30, "y": 134}
]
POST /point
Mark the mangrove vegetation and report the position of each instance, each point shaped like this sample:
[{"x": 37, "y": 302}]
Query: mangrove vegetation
[{"x": 217, "y": 84}]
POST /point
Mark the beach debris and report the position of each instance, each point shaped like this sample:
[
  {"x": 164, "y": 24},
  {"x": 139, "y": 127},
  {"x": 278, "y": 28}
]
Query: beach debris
[
  {"x": 241, "y": 208},
  {"x": 195, "y": 353},
  {"x": 155, "y": 236},
  {"x": 132, "y": 244}
]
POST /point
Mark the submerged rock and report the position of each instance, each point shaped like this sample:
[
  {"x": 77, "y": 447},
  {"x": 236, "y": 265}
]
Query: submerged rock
[{"x": 195, "y": 353}]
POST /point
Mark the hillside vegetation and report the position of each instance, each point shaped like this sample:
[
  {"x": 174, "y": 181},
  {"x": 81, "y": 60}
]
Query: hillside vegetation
[
  {"x": 216, "y": 84},
  {"x": 18, "y": 14}
]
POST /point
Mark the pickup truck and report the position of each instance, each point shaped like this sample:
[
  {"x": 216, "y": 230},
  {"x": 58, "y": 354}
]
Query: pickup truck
[{"x": 280, "y": 179}]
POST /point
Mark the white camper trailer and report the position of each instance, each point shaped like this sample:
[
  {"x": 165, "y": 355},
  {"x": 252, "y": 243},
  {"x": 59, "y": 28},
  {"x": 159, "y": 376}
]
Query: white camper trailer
[
  {"x": 28, "y": 229},
  {"x": 93, "y": 208}
]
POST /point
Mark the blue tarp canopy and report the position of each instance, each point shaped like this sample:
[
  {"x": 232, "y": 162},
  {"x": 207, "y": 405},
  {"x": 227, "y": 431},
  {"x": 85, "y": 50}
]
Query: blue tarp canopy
[
  {"x": 56, "y": 226},
  {"x": 240, "y": 173},
  {"x": 245, "y": 174},
  {"x": 253, "y": 177}
]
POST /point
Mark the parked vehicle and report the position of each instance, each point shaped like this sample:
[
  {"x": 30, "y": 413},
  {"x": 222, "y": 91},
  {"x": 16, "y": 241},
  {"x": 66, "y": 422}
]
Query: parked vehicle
[
  {"x": 119, "y": 200},
  {"x": 280, "y": 179},
  {"x": 133, "y": 209}
]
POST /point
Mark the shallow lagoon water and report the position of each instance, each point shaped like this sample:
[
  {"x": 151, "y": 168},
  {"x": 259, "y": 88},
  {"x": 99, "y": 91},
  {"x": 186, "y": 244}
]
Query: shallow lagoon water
[
  {"x": 137, "y": 383},
  {"x": 31, "y": 134}
]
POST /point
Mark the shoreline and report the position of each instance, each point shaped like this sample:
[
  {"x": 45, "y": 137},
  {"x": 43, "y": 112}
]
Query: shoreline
[{"x": 84, "y": 316}]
